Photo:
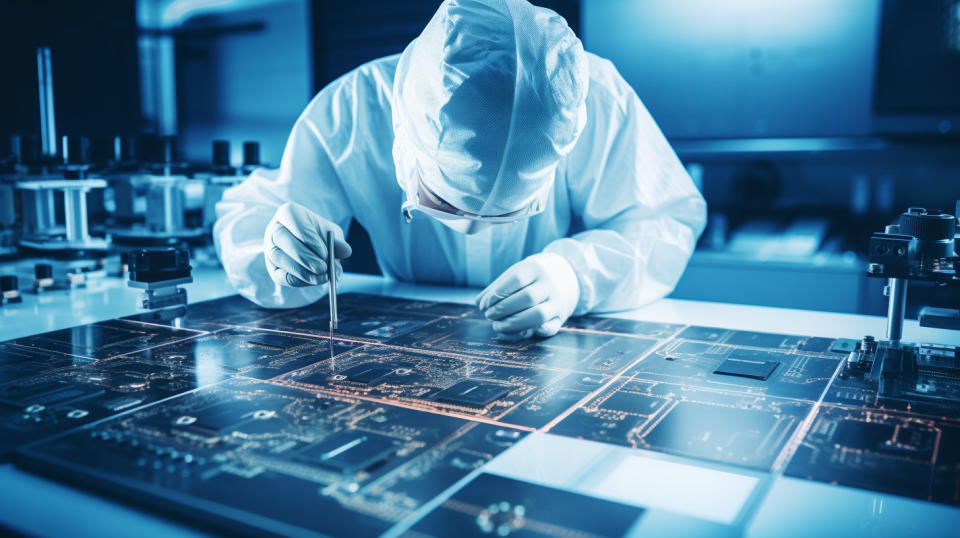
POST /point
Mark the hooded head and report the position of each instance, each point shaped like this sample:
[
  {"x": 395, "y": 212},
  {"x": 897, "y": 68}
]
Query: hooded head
[{"x": 487, "y": 101}]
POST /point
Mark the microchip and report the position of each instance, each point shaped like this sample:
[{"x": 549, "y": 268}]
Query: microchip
[
  {"x": 472, "y": 393},
  {"x": 218, "y": 419},
  {"x": 747, "y": 368},
  {"x": 274, "y": 340},
  {"x": 350, "y": 452},
  {"x": 367, "y": 374},
  {"x": 844, "y": 345}
]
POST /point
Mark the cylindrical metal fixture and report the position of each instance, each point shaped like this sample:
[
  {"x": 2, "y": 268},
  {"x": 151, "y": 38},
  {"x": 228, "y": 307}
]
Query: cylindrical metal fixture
[
  {"x": 332, "y": 280},
  {"x": 75, "y": 214},
  {"x": 896, "y": 308},
  {"x": 165, "y": 208},
  {"x": 48, "y": 124}
]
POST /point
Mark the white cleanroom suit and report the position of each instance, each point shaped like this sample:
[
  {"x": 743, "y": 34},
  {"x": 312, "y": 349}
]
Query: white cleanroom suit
[{"x": 493, "y": 115}]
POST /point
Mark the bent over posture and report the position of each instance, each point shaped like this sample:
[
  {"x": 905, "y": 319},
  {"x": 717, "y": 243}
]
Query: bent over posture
[{"x": 492, "y": 152}]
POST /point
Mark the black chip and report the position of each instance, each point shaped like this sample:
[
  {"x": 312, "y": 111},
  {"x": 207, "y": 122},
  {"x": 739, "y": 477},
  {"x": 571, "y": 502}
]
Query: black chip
[
  {"x": 350, "y": 451},
  {"x": 367, "y": 374},
  {"x": 275, "y": 340},
  {"x": 747, "y": 368},
  {"x": 219, "y": 419},
  {"x": 472, "y": 393}
]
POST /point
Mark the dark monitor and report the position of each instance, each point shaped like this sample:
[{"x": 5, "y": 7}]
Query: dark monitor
[{"x": 917, "y": 85}]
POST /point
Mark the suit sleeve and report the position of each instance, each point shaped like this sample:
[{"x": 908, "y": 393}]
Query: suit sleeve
[
  {"x": 640, "y": 212},
  {"x": 307, "y": 176}
]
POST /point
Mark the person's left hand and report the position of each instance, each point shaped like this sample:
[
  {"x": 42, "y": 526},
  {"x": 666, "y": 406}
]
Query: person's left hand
[{"x": 534, "y": 296}]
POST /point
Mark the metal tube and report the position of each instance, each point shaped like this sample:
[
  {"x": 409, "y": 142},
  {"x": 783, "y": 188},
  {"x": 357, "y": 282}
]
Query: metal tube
[
  {"x": 896, "y": 308},
  {"x": 171, "y": 209},
  {"x": 332, "y": 279},
  {"x": 48, "y": 124},
  {"x": 75, "y": 214}
]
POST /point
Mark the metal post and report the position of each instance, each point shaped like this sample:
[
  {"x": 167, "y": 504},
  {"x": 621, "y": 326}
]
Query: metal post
[
  {"x": 75, "y": 214},
  {"x": 896, "y": 308},
  {"x": 48, "y": 124}
]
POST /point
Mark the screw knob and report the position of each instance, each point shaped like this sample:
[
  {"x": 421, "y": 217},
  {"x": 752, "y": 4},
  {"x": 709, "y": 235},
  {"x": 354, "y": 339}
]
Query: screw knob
[{"x": 928, "y": 225}]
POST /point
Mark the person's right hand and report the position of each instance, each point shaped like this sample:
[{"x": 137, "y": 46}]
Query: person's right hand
[{"x": 295, "y": 247}]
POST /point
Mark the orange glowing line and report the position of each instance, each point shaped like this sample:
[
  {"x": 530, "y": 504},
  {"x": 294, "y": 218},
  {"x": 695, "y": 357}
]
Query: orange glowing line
[
  {"x": 473, "y": 418},
  {"x": 583, "y": 401},
  {"x": 801, "y": 432}
]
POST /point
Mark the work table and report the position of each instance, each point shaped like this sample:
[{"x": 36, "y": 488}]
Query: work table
[{"x": 679, "y": 495}]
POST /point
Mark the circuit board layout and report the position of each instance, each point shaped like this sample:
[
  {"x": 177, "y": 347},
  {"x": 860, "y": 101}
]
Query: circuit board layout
[
  {"x": 408, "y": 397},
  {"x": 261, "y": 457}
]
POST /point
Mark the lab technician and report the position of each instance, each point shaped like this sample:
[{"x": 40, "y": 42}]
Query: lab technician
[{"x": 492, "y": 152}]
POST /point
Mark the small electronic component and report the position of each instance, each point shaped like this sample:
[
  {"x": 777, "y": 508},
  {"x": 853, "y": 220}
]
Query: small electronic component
[
  {"x": 367, "y": 374},
  {"x": 844, "y": 345},
  {"x": 9, "y": 290},
  {"x": 753, "y": 369},
  {"x": 218, "y": 420},
  {"x": 472, "y": 393},
  {"x": 350, "y": 452},
  {"x": 275, "y": 340},
  {"x": 159, "y": 272}
]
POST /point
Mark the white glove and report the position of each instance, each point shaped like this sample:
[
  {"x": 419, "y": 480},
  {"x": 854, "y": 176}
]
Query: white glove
[
  {"x": 295, "y": 247},
  {"x": 534, "y": 296}
]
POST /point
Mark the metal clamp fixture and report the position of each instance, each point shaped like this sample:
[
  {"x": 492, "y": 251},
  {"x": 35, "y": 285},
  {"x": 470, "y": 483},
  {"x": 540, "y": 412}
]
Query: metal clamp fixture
[
  {"x": 159, "y": 272},
  {"x": 920, "y": 247}
]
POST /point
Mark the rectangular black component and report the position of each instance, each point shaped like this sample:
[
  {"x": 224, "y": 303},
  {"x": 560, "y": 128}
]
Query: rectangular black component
[
  {"x": 747, "y": 368},
  {"x": 159, "y": 264},
  {"x": 492, "y": 505},
  {"x": 275, "y": 340},
  {"x": 350, "y": 452},
  {"x": 472, "y": 393}
]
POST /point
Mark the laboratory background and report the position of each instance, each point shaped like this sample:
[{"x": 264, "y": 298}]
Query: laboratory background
[{"x": 802, "y": 378}]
